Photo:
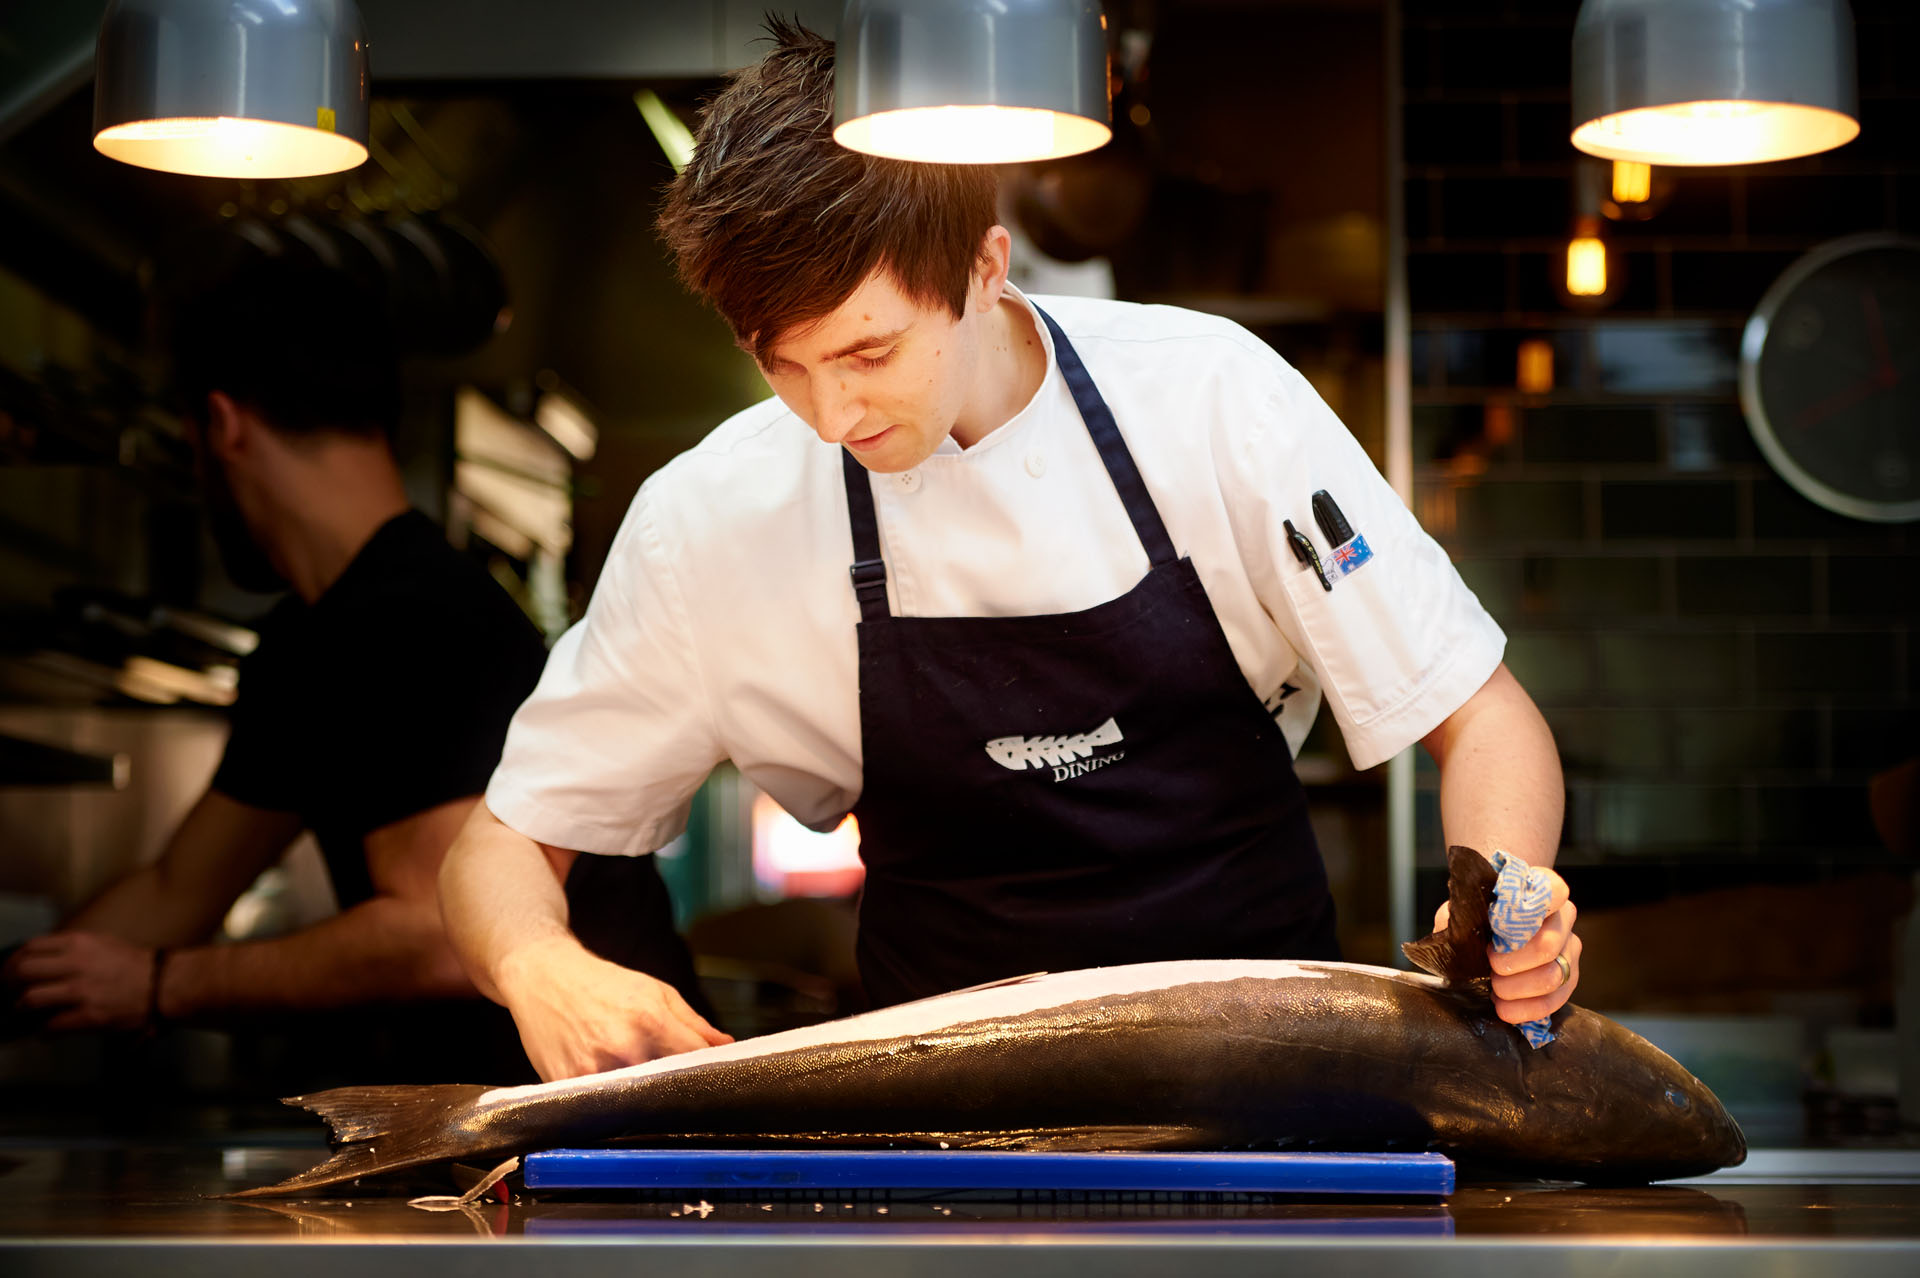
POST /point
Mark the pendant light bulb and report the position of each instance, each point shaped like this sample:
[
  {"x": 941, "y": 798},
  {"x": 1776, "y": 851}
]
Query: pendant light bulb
[
  {"x": 972, "y": 81},
  {"x": 1632, "y": 182},
  {"x": 1587, "y": 266},
  {"x": 1689, "y": 82},
  {"x": 240, "y": 89}
]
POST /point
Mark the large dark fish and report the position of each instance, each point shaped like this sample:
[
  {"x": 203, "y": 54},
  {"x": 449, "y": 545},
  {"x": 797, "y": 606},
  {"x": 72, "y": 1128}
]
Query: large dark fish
[{"x": 1203, "y": 1054}]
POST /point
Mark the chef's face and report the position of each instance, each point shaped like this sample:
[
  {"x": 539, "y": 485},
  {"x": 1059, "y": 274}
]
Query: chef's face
[{"x": 884, "y": 375}]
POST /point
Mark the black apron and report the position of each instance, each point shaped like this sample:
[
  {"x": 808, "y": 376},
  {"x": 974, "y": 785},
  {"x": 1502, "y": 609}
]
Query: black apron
[{"x": 1056, "y": 792}]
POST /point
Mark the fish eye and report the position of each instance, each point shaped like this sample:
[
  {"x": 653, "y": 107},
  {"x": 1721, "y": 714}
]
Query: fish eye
[{"x": 1678, "y": 1099}]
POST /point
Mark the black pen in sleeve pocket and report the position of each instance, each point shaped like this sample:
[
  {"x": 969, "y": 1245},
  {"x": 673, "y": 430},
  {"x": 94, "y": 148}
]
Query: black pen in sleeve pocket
[
  {"x": 1303, "y": 551},
  {"x": 1348, "y": 550}
]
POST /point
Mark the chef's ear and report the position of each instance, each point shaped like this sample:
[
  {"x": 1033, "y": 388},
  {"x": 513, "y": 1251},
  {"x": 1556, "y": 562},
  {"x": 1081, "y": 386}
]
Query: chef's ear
[{"x": 990, "y": 268}]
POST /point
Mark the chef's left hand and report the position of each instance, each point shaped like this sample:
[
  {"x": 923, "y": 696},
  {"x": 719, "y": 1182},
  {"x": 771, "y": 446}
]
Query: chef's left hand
[
  {"x": 1527, "y": 982},
  {"x": 87, "y": 979}
]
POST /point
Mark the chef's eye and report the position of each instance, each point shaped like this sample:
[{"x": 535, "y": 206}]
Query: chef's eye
[{"x": 863, "y": 360}]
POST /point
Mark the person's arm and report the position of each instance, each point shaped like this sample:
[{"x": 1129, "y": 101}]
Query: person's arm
[
  {"x": 388, "y": 948},
  {"x": 180, "y": 898},
  {"x": 98, "y": 972},
  {"x": 506, "y": 917},
  {"x": 1500, "y": 787}
]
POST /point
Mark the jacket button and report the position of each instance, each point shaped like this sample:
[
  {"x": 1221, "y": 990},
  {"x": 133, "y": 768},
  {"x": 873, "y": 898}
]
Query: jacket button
[
  {"x": 910, "y": 481},
  {"x": 1036, "y": 465}
]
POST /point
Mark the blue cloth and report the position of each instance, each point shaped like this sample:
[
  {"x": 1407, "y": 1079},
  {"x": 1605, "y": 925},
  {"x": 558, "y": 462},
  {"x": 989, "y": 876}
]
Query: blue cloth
[{"x": 1521, "y": 895}]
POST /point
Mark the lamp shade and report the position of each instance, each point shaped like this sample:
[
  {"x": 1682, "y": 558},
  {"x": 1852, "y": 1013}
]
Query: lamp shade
[
  {"x": 1713, "y": 81},
  {"x": 232, "y": 88},
  {"x": 971, "y": 81}
]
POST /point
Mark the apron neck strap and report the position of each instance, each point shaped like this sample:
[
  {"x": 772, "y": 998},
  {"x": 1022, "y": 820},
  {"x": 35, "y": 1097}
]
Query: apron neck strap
[
  {"x": 1113, "y": 449},
  {"x": 869, "y": 571}
]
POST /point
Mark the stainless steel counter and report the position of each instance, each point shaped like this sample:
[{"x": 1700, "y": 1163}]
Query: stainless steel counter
[{"x": 110, "y": 1208}]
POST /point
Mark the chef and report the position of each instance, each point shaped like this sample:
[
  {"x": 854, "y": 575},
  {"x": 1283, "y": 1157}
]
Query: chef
[{"x": 1045, "y": 591}]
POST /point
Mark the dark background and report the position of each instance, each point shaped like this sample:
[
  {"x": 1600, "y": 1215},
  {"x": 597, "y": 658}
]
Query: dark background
[{"x": 1726, "y": 665}]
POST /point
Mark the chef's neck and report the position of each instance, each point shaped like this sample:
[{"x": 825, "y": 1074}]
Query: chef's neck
[
  {"x": 1012, "y": 364},
  {"x": 331, "y": 493}
]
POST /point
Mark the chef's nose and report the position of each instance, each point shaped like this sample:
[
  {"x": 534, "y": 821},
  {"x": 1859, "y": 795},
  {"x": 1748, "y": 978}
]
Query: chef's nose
[{"x": 837, "y": 409}]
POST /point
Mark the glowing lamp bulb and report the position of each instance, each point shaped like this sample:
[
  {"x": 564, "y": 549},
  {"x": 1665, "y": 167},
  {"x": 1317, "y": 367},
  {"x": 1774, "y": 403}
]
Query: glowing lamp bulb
[
  {"x": 972, "y": 134},
  {"x": 1587, "y": 267},
  {"x": 223, "y": 146},
  {"x": 1632, "y": 182},
  {"x": 1717, "y": 132}
]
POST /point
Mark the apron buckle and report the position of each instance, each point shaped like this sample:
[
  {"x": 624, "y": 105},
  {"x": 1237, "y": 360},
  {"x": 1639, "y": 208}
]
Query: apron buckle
[{"x": 869, "y": 583}]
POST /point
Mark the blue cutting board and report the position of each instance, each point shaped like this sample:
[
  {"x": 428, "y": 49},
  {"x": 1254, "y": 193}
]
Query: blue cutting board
[{"x": 957, "y": 1169}]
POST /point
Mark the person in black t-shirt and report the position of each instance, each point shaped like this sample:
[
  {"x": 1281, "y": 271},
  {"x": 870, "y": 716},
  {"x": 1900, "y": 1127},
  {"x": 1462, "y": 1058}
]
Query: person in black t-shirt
[{"x": 372, "y": 712}]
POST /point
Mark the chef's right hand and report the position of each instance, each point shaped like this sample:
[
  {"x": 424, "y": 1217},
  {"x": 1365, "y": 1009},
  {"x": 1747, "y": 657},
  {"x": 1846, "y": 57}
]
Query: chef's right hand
[{"x": 579, "y": 1014}]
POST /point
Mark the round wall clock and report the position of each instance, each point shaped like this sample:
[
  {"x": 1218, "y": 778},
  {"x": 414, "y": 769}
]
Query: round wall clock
[{"x": 1830, "y": 376}]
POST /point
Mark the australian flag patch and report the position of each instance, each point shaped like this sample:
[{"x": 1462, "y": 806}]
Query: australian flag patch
[{"x": 1348, "y": 557}]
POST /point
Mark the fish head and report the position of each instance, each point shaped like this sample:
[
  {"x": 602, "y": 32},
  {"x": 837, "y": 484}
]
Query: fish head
[{"x": 1624, "y": 1110}]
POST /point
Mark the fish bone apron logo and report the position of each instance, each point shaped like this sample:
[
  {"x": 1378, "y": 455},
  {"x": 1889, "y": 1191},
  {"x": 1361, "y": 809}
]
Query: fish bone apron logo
[{"x": 1068, "y": 756}]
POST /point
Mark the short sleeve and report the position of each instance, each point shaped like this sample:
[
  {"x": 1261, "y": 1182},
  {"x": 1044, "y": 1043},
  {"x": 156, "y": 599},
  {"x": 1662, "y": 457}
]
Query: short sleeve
[
  {"x": 607, "y": 753},
  {"x": 435, "y": 704},
  {"x": 1400, "y": 642}
]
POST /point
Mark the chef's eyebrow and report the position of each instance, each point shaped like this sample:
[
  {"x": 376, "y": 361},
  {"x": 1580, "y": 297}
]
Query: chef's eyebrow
[{"x": 866, "y": 343}]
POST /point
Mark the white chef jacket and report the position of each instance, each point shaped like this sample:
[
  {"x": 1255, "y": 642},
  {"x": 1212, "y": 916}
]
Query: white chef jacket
[{"x": 723, "y": 623}]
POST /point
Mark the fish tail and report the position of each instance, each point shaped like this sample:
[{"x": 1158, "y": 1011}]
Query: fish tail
[{"x": 383, "y": 1129}]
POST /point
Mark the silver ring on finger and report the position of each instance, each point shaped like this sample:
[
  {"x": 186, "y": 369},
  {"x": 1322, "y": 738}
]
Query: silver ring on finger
[{"x": 1566, "y": 969}]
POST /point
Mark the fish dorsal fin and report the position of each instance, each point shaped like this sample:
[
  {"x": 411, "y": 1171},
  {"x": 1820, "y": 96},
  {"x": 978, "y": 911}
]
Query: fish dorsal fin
[{"x": 1458, "y": 955}]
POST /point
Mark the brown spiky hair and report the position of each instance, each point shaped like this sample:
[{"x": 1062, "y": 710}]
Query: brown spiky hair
[{"x": 776, "y": 224}]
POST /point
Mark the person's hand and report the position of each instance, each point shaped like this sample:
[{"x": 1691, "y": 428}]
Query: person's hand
[
  {"x": 88, "y": 980},
  {"x": 1528, "y": 983},
  {"x": 579, "y": 1014}
]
